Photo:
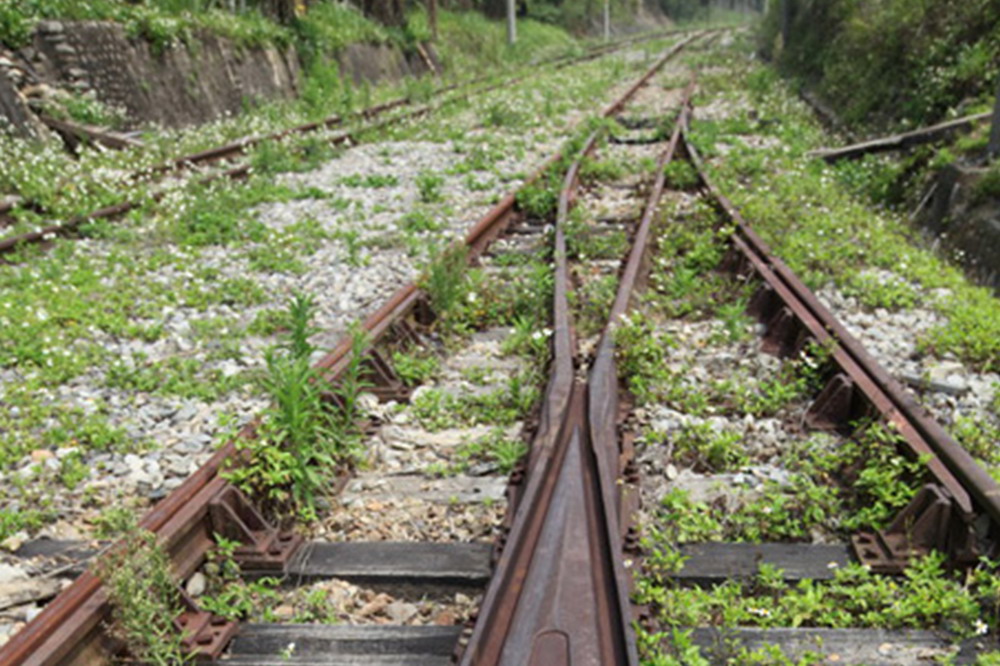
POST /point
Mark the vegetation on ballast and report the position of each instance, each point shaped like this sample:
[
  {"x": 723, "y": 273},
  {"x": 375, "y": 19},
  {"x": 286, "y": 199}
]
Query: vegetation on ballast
[
  {"x": 179, "y": 331},
  {"x": 145, "y": 599},
  {"x": 303, "y": 439},
  {"x": 818, "y": 224}
]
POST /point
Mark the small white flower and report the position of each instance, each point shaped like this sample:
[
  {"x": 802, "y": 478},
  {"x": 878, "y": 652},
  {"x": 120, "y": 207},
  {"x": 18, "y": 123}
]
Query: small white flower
[
  {"x": 981, "y": 628},
  {"x": 471, "y": 297},
  {"x": 759, "y": 612}
]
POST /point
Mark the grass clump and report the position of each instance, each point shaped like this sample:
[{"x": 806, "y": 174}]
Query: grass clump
[
  {"x": 444, "y": 281},
  {"x": 145, "y": 600},
  {"x": 302, "y": 438}
]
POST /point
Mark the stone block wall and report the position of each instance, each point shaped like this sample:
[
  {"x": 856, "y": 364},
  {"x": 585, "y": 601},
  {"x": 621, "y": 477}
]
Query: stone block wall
[{"x": 182, "y": 85}]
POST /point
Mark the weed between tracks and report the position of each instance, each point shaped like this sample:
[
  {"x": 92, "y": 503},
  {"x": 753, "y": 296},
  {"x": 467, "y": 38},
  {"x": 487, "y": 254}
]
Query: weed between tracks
[
  {"x": 170, "y": 310},
  {"x": 144, "y": 598},
  {"x": 303, "y": 439},
  {"x": 726, "y": 461}
]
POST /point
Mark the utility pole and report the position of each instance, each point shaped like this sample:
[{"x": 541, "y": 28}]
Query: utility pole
[
  {"x": 432, "y": 18},
  {"x": 607, "y": 20},
  {"x": 786, "y": 22},
  {"x": 994, "y": 147},
  {"x": 511, "y": 21}
]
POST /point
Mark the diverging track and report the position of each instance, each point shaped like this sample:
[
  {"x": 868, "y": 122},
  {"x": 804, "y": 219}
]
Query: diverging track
[
  {"x": 568, "y": 562},
  {"x": 71, "y": 628}
]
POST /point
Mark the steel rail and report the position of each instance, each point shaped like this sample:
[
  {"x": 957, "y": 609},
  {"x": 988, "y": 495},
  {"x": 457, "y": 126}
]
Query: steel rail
[
  {"x": 559, "y": 594},
  {"x": 67, "y": 629},
  {"x": 240, "y": 146},
  {"x": 949, "y": 462}
]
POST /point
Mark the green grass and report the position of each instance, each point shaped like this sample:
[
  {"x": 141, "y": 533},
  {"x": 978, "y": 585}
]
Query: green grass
[
  {"x": 826, "y": 232},
  {"x": 162, "y": 22},
  {"x": 894, "y": 61}
]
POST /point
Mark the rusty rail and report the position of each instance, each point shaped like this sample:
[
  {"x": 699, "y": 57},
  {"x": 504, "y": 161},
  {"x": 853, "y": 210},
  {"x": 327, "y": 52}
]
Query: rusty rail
[
  {"x": 793, "y": 316},
  {"x": 67, "y": 631},
  {"x": 559, "y": 594},
  {"x": 240, "y": 146}
]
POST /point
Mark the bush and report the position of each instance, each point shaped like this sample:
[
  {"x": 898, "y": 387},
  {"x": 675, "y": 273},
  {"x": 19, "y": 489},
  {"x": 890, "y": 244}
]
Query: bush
[{"x": 895, "y": 59}]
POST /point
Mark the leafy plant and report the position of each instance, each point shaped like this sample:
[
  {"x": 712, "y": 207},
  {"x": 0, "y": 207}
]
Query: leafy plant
[
  {"x": 444, "y": 280},
  {"x": 228, "y": 594},
  {"x": 144, "y": 599},
  {"x": 302, "y": 438},
  {"x": 429, "y": 185},
  {"x": 415, "y": 369}
]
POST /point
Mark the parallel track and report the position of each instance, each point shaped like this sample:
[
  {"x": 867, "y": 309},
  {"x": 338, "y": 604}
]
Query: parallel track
[
  {"x": 69, "y": 629},
  {"x": 560, "y": 590},
  {"x": 240, "y": 147}
]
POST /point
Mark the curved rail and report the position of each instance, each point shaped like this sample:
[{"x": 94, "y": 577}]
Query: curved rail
[
  {"x": 67, "y": 630},
  {"x": 559, "y": 595}
]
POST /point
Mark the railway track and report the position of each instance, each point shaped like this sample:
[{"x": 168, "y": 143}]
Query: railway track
[
  {"x": 70, "y": 628},
  {"x": 766, "y": 537},
  {"x": 587, "y": 526},
  {"x": 223, "y": 156}
]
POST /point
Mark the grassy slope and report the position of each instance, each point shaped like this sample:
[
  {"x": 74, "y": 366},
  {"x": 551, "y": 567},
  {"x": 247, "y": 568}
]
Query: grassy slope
[{"x": 894, "y": 61}]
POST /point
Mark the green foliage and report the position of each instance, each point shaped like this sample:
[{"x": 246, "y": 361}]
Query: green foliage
[
  {"x": 592, "y": 302},
  {"x": 84, "y": 108},
  {"x": 114, "y": 522},
  {"x": 876, "y": 291},
  {"x": 219, "y": 213},
  {"x": 538, "y": 200},
  {"x": 503, "y": 114},
  {"x": 372, "y": 180},
  {"x": 184, "y": 377},
  {"x": 928, "y": 596},
  {"x": 231, "y": 596},
  {"x": 444, "y": 280},
  {"x": 592, "y": 170},
  {"x": 290, "y": 155},
  {"x": 883, "y": 480},
  {"x": 302, "y": 438},
  {"x": 330, "y": 26},
  {"x": 972, "y": 331},
  {"x": 465, "y": 32},
  {"x": 680, "y": 175},
  {"x": 163, "y": 22},
  {"x": 897, "y": 59},
  {"x": 429, "y": 185},
  {"x": 419, "y": 221},
  {"x": 495, "y": 448},
  {"x": 584, "y": 241},
  {"x": 144, "y": 599},
  {"x": 436, "y": 409},
  {"x": 416, "y": 368},
  {"x": 708, "y": 450}
]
